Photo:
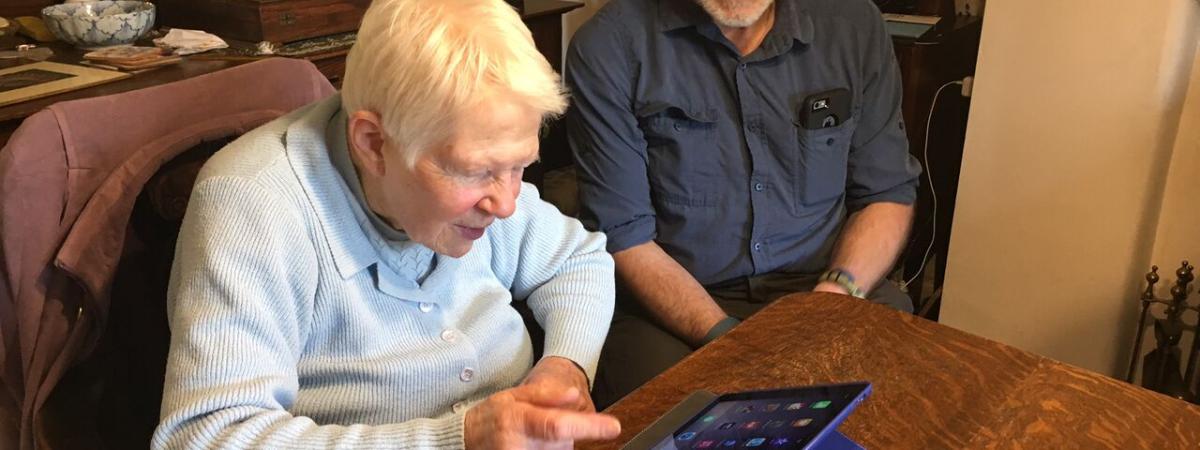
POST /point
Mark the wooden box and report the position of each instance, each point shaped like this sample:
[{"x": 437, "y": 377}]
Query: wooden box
[{"x": 264, "y": 20}]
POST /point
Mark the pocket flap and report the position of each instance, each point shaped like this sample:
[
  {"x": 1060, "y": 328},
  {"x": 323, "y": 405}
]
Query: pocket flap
[{"x": 697, "y": 114}]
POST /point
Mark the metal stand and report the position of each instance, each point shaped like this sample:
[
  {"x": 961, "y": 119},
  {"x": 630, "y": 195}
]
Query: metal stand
[{"x": 1161, "y": 367}]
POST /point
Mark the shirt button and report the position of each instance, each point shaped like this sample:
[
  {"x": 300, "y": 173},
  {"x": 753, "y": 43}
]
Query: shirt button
[
  {"x": 830, "y": 141},
  {"x": 458, "y": 407},
  {"x": 678, "y": 127},
  {"x": 466, "y": 375},
  {"x": 757, "y": 246},
  {"x": 449, "y": 335},
  {"x": 742, "y": 66},
  {"x": 425, "y": 307},
  {"x": 759, "y": 187}
]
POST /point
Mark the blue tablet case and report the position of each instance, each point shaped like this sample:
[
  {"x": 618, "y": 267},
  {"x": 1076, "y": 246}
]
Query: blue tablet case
[
  {"x": 679, "y": 415},
  {"x": 836, "y": 441}
]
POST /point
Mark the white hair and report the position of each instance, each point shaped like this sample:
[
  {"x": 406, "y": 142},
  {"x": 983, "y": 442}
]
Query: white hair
[
  {"x": 735, "y": 13},
  {"x": 420, "y": 64}
]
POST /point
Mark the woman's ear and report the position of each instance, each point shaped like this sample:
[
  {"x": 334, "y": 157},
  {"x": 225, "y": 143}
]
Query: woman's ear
[{"x": 366, "y": 136}]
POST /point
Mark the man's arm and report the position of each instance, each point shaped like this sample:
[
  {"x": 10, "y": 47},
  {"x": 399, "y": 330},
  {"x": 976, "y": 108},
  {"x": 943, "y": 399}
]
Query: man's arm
[
  {"x": 668, "y": 292},
  {"x": 614, "y": 188},
  {"x": 882, "y": 176},
  {"x": 869, "y": 244}
]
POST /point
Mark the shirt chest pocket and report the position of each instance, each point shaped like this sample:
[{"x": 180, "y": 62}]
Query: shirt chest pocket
[
  {"x": 680, "y": 152},
  {"x": 823, "y": 158}
]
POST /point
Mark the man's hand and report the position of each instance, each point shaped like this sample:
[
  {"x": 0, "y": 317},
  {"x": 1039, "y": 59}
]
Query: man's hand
[
  {"x": 534, "y": 416},
  {"x": 561, "y": 373},
  {"x": 870, "y": 243}
]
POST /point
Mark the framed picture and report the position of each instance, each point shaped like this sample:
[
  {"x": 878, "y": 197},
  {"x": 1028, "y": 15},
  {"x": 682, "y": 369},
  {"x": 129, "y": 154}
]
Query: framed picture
[{"x": 42, "y": 79}]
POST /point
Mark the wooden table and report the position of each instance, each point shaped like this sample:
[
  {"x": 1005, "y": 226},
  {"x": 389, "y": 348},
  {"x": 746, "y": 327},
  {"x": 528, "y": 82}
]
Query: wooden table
[
  {"x": 12, "y": 115},
  {"x": 935, "y": 387}
]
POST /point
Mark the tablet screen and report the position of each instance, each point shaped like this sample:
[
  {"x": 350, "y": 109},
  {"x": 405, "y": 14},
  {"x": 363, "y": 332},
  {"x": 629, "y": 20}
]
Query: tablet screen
[{"x": 786, "y": 418}]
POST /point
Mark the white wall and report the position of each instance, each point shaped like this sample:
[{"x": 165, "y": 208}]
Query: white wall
[
  {"x": 1071, "y": 137},
  {"x": 1178, "y": 234}
]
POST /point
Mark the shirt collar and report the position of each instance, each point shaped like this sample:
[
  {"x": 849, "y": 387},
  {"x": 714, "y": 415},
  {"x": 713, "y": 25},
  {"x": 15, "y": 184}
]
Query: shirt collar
[
  {"x": 791, "y": 19},
  {"x": 339, "y": 155},
  {"x": 676, "y": 14},
  {"x": 341, "y": 224},
  {"x": 354, "y": 241}
]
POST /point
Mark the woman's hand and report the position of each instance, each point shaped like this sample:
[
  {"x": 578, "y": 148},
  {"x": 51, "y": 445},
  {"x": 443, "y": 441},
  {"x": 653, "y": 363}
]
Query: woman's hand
[
  {"x": 562, "y": 373},
  {"x": 535, "y": 416}
]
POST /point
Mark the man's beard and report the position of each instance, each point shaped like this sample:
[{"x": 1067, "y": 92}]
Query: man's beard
[{"x": 735, "y": 13}]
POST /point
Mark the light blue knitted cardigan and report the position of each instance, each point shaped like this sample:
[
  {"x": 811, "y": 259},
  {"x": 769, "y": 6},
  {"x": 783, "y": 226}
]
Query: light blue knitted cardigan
[{"x": 295, "y": 325}]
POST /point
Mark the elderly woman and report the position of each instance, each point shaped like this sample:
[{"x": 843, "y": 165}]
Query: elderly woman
[{"x": 345, "y": 274}]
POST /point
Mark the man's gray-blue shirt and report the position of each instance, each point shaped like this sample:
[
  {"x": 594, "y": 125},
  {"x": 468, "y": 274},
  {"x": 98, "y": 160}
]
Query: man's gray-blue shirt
[{"x": 681, "y": 140}]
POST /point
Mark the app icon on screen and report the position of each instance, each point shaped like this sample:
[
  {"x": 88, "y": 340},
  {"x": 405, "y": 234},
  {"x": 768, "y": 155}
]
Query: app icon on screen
[
  {"x": 779, "y": 442},
  {"x": 795, "y": 406},
  {"x": 751, "y": 425},
  {"x": 755, "y": 442},
  {"x": 705, "y": 444},
  {"x": 821, "y": 404},
  {"x": 687, "y": 436},
  {"x": 801, "y": 423},
  {"x": 774, "y": 424},
  {"x": 746, "y": 409},
  {"x": 729, "y": 443},
  {"x": 708, "y": 419},
  {"x": 772, "y": 407},
  {"x": 727, "y": 425}
]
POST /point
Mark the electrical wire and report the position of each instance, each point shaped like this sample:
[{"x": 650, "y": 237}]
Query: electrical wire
[{"x": 929, "y": 177}]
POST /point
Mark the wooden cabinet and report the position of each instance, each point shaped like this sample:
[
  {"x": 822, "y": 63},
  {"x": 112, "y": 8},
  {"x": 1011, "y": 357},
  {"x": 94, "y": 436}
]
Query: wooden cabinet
[
  {"x": 14, "y": 8},
  {"x": 543, "y": 17},
  {"x": 945, "y": 55},
  {"x": 264, "y": 20}
]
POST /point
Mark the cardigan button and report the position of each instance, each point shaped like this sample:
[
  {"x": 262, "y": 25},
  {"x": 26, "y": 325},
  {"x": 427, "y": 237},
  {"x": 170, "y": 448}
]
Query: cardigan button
[
  {"x": 425, "y": 307},
  {"x": 466, "y": 375},
  {"x": 449, "y": 335}
]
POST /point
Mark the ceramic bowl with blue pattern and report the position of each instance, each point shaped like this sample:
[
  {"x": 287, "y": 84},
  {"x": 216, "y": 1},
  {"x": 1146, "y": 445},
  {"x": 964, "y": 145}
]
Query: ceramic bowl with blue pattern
[{"x": 92, "y": 24}]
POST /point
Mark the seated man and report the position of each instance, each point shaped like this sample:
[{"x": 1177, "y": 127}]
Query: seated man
[
  {"x": 344, "y": 275},
  {"x": 696, "y": 155}
]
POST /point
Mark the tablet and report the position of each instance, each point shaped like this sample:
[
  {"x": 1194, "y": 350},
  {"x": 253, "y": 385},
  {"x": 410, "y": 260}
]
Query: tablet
[{"x": 793, "y": 418}]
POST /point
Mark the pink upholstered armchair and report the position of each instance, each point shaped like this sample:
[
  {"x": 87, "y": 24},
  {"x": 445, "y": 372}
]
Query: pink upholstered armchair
[{"x": 91, "y": 194}]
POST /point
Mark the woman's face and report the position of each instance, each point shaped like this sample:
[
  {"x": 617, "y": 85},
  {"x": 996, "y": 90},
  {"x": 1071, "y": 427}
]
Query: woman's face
[{"x": 454, "y": 191}]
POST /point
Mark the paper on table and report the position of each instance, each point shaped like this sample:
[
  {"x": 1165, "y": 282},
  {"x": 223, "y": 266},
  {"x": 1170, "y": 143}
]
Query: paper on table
[
  {"x": 186, "y": 42},
  {"x": 911, "y": 18},
  {"x": 41, "y": 79},
  {"x": 907, "y": 30}
]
